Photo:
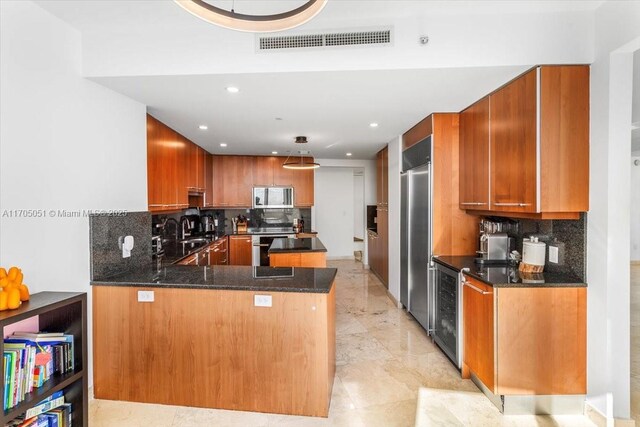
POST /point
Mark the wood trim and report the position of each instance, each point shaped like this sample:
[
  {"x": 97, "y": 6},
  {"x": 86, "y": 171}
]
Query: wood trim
[
  {"x": 417, "y": 133},
  {"x": 541, "y": 341},
  {"x": 215, "y": 349},
  {"x": 525, "y": 215},
  {"x": 454, "y": 230},
  {"x": 564, "y": 139}
]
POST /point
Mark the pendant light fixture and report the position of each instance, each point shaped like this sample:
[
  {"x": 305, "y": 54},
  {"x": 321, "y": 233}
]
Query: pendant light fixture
[
  {"x": 253, "y": 23},
  {"x": 300, "y": 164}
]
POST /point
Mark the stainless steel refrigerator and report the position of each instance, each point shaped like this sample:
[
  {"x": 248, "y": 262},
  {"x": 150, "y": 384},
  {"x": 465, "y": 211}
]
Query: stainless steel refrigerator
[{"x": 416, "y": 272}]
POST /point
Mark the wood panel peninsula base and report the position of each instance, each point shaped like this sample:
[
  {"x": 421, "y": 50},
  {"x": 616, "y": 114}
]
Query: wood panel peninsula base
[
  {"x": 303, "y": 252},
  {"x": 214, "y": 348}
]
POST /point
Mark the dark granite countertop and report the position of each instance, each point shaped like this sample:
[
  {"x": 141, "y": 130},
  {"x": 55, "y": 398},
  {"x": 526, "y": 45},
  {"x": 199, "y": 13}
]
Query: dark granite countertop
[
  {"x": 175, "y": 250},
  {"x": 296, "y": 245},
  {"x": 506, "y": 276},
  {"x": 232, "y": 277}
]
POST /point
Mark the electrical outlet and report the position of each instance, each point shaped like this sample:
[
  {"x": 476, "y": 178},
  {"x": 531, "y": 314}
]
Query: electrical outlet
[
  {"x": 262, "y": 300},
  {"x": 553, "y": 254},
  {"x": 146, "y": 296}
]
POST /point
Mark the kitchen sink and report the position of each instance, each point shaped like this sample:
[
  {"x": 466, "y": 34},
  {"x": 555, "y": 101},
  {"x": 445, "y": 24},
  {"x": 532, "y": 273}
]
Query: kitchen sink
[{"x": 192, "y": 240}]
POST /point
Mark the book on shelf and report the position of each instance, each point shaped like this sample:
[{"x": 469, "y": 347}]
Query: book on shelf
[
  {"x": 29, "y": 363},
  {"x": 60, "y": 416}
]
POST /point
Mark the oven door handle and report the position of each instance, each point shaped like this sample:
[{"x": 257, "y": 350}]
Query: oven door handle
[{"x": 262, "y": 245}]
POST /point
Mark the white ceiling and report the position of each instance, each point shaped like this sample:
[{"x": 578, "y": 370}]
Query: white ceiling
[{"x": 332, "y": 108}]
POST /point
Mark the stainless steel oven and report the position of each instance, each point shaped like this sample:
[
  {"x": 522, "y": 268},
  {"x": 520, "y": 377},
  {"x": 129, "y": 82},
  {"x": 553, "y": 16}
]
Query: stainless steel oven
[
  {"x": 261, "y": 244},
  {"x": 447, "y": 331}
]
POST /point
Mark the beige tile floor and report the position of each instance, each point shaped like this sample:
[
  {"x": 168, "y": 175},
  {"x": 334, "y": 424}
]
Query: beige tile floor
[
  {"x": 388, "y": 374},
  {"x": 635, "y": 342}
]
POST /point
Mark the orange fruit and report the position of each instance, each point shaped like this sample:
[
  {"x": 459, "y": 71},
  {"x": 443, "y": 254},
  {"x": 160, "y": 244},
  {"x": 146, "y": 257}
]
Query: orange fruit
[
  {"x": 13, "y": 300},
  {"x": 13, "y": 272},
  {"x": 3, "y": 300},
  {"x": 24, "y": 292},
  {"x": 18, "y": 279},
  {"x": 4, "y": 282},
  {"x": 3, "y": 273}
]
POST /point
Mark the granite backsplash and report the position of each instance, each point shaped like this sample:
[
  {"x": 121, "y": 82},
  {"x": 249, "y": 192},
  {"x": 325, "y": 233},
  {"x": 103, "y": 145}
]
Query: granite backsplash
[
  {"x": 570, "y": 236},
  {"x": 106, "y": 255}
]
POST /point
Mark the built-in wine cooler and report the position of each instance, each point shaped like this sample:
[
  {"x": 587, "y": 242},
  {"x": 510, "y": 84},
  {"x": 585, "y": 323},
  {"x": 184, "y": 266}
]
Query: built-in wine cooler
[{"x": 448, "y": 313}]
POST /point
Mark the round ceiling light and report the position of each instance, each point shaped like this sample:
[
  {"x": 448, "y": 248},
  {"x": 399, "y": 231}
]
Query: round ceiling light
[{"x": 253, "y": 23}]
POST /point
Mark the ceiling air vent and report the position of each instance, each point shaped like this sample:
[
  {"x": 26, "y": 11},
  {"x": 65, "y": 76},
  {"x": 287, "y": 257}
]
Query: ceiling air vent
[{"x": 352, "y": 38}]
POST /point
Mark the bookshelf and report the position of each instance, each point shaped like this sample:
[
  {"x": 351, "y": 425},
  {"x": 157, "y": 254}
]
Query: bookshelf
[{"x": 57, "y": 312}]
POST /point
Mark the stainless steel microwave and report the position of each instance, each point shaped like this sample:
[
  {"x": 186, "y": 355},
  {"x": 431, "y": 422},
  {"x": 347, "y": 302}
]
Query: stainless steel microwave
[{"x": 272, "y": 197}]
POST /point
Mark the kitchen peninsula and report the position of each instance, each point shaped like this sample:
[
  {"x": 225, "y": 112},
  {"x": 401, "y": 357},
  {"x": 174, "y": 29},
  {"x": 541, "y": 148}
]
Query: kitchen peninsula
[
  {"x": 307, "y": 252},
  {"x": 229, "y": 337}
]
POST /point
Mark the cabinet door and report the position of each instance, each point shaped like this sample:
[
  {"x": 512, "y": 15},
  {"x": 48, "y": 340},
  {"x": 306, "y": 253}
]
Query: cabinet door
[
  {"x": 379, "y": 169},
  {"x": 263, "y": 170},
  {"x": 385, "y": 176},
  {"x": 154, "y": 164},
  {"x": 200, "y": 168},
  {"x": 238, "y": 181},
  {"x": 303, "y": 183},
  {"x": 217, "y": 170},
  {"x": 170, "y": 154},
  {"x": 474, "y": 156},
  {"x": 240, "y": 248},
  {"x": 182, "y": 168},
  {"x": 208, "y": 180},
  {"x": 513, "y": 146},
  {"x": 479, "y": 331},
  {"x": 281, "y": 176}
]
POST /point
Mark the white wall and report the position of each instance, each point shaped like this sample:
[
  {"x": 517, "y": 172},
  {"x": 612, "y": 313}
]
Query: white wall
[
  {"x": 65, "y": 143},
  {"x": 608, "y": 373},
  {"x": 334, "y": 211},
  {"x": 635, "y": 209},
  {"x": 359, "y": 210},
  {"x": 395, "y": 165},
  {"x": 369, "y": 167}
]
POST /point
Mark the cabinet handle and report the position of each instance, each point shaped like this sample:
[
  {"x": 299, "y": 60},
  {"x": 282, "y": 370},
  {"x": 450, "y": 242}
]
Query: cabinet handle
[
  {"x": 472, "y": 204},
  {"x": 513, "y": 204},
  {"x": 477, "y": 289}
]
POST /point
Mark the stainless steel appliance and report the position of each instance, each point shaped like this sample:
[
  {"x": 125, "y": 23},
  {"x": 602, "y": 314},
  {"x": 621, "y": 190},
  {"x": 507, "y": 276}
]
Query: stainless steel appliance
[
  {"x": 416, "y": 273},
  {"x": 272, "y": 197},
  {"x": 261, "y": 244},
  {"x": 447, "y": 328},
  {"x": 494, "y": 247}
]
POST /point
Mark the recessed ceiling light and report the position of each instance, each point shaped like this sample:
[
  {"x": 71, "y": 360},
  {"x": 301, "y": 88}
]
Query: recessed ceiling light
[
  {"x": 203, "y": 127},
  {"x": 274, "y": 152},
  {"x": 348, "y": 154},
  {"x": 233, "y": 89},
  {"x": 223, "y": 144},
  {"x": 373, "y": 125}
]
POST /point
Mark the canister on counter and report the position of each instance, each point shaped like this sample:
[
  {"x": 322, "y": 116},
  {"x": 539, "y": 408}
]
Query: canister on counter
[{"x": 534, "y": 255}]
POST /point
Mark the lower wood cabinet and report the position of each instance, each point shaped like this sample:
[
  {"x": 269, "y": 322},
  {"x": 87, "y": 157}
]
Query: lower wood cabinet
[
  {"x": 240, "y": 250},
  {"x": 218, "y": 252},
  {"x": 298, "y": 259},
  {"x": 525, "y": 340},
  {"x": 378, "y": 247}
]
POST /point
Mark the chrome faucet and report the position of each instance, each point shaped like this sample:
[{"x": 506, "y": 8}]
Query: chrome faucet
[{"x": 184, "y": 228}]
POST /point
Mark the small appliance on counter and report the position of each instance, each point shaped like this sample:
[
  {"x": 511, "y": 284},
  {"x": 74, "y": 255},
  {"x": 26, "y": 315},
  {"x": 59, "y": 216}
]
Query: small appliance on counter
[
  {"x": 495, "y": 243},
  {"x": 534, "y": 255},
  {"x": 208, "y": 226}
]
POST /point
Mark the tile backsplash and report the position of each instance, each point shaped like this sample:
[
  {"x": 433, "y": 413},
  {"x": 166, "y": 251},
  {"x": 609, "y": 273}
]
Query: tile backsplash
[{"x": 106, "y": 255}]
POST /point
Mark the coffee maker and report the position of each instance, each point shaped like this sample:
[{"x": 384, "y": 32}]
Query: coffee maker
[{"x": 495, "y": 243}]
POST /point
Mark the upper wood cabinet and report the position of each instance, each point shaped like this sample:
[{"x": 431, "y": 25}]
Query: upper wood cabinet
[
  {"x": 474, "y": 156},
  {"x": 233, "y": 181},
  {"x": 165, "y": 150},
  {"x": 538, "y": 152},
  {"x": 513, "y": 145},
  {"x": 382, "y": 177},
  {"x": 303, "y": 186},
  {"x": 208, "y": 180},
  {"x": 196, "y": 167}
]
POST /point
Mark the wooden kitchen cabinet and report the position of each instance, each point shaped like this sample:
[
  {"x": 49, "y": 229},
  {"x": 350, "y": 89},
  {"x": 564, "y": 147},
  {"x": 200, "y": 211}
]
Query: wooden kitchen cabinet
[
  {"x": 263, "y": 170},
  {"x": 373, "y": 251},
  {"x": 208, "y": 180},
  {"x": 218, "y": 252},
  {"x": 538, "y": 146},
  {"x": 303, "y": 186},
  {"x": 382, "y": 246},
  {"x": 240, "y": 250},
  {"x": 478, "y": 331},
  {"x": 233, "y": 180},
  {"x": 513, "y": 145},
  {"x": 525, "y": 341},
  {"x": 165, "y": 150},
  {"x": 474, "y": 156},
  {"x": 382, "y": 177}
]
